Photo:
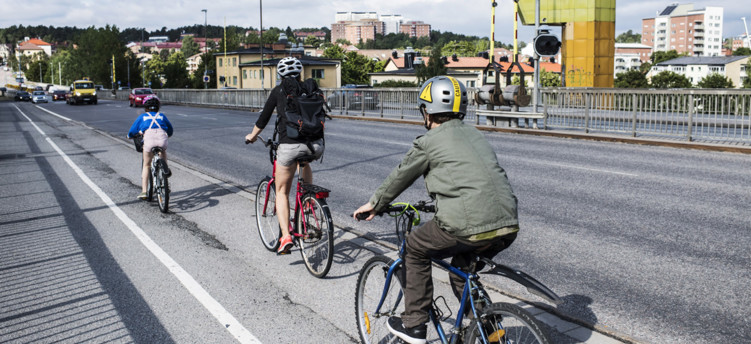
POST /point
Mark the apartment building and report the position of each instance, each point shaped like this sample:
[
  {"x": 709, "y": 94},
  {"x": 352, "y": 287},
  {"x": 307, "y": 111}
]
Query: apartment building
[
  {"x": 684, "y": 29},
  {"x": 696, "y": 68},
  {"x": 630, "y": 56},
  {"x": 358, "y": 27},
  {"x": 415, "y": 29}
]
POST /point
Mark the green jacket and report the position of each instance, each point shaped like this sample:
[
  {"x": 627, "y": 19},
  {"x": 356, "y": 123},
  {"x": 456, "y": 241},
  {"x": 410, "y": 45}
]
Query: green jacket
[{"x": 461, "y": 171}]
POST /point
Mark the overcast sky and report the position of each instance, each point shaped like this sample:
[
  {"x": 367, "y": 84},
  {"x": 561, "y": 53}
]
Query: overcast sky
[{"x": 445, "y": 15}]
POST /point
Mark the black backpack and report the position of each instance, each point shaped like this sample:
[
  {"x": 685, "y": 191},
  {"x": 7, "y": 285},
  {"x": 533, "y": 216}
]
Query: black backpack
[{"x": 304, "y": 110}]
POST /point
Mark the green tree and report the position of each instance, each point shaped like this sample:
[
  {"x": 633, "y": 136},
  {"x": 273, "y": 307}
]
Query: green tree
[
  {"x": 93, "y": 57},
  {"x": 39, "y": 68},
  {"x": 631, "y": 79},
  {"x": 154, "y": 72},
  {"x": 207, "y": 66},
  {"x": 343, "y": 41},
  {"x": 715, "y": 80},
  {"x": 334, "y": 52},
  {"x": 190, "y": 47},
  {"x": 464, "y": 48},
  {"x": 660, "y": 56},
  {"x": 549, "y": 79},
  {"x": 668, "y": 79},
  {"x": 747, "y": 80},
  {"x": 628, "y": 37},
  {"x": 312, "y": 41},
  {"x": 743, "y": 51},
  {"x": 435, "y": 67},
  {"x": 397, "y": 83},
  {"x": 176, "y": 71}
]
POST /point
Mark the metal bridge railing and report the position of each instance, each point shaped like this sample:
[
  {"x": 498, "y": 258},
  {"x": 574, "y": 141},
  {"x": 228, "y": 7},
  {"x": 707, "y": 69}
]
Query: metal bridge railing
[{"x": 720, "y": 116}]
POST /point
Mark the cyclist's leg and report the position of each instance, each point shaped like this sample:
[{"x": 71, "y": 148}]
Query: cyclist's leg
[
  {"x": 424, "y": 243},
  {"x": 146, "y": 169},
  {"x": 283, "y": 181},
  {"x": 307, "y": 174},
  {"x": 484, "y": 248}
]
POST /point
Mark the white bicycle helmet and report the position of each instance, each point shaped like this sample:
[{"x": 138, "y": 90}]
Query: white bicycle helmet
[
  {"x": 443, "y": 95},
  {"x": 289, "y": 66}
]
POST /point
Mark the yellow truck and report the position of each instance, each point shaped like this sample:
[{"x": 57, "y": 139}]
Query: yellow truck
[{"x": 81, "y": 91}]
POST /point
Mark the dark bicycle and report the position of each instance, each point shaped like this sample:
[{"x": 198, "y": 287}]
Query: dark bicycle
[
  {"x": 311, "y": 226},
  {"x": 380, "y": 286},
  {"x": 158, "y": 177}
]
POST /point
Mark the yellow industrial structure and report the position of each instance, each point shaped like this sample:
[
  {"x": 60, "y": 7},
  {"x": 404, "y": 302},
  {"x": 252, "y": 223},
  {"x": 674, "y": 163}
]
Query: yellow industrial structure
[{"x": 588, "y": 37}]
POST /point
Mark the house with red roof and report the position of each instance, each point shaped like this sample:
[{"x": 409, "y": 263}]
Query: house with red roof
[{"x": 33, "y": 46}]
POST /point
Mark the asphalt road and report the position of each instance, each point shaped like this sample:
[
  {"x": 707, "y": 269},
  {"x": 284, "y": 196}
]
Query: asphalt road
[{"x": 648, "y": 242}]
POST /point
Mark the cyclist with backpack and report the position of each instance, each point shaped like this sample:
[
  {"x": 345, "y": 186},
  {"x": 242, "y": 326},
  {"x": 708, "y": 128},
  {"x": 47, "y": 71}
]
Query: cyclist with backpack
[
  {"x": 476, "y": 210},
  {"x": 155, "y": 128},
  {"x": 292, "y": 143}
]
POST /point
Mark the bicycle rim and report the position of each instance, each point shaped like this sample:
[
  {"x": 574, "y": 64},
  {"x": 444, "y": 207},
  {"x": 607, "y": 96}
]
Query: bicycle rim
[
  {"x": 162, "y": 188},
  {"x": 317, "y": 242},
  {"x": 507, "y": 323},
  {"x": 370, "y": 285},
  {"x": 267, "y": 223}
]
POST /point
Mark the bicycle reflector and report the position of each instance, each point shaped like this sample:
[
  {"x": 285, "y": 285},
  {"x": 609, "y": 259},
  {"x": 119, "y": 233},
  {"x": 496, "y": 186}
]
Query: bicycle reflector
[
  {"x": 496, "y": 336},
  {"x": 367, "y": 323}
]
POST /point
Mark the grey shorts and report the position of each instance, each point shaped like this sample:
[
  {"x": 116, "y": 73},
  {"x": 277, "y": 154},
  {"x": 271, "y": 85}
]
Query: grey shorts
[{"x": 288, "y": 152}]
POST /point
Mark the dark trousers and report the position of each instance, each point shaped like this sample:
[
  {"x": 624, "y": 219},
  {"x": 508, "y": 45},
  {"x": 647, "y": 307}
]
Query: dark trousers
[{"x": 429, "y": 241}]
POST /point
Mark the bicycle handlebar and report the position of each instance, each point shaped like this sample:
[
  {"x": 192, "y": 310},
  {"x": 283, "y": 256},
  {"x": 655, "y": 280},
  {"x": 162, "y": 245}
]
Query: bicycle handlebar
[
  {"x": 265, "y": 142},
  {"x": 422, "y": 206}
]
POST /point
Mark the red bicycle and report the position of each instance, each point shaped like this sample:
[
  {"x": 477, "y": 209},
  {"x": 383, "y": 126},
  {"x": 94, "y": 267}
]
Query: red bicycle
[{"x": 311, "y": 226}]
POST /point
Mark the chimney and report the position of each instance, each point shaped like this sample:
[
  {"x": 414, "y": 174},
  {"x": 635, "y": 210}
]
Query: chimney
[
  {"x": 445, "y": 60},
  {"x": 409, "y": 58},
  {"x": 394, "y": 54},
  {"x": 483, "y": 54},
  {"x": 454, "y": 57}
]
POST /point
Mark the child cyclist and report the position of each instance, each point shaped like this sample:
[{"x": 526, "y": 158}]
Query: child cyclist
[
  {"x": 476, "y": 208},
  {"x": 155, "y": 128}
]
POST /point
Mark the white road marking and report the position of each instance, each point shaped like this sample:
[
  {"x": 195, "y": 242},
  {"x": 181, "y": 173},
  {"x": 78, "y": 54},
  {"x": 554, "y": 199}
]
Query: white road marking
[
  {"x": 214, "y": 307},
  {"x": 543, "y": 162}
]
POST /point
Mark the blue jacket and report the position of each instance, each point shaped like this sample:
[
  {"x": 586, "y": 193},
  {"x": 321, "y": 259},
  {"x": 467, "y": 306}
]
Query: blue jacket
[{"x": 144, "y": 122}]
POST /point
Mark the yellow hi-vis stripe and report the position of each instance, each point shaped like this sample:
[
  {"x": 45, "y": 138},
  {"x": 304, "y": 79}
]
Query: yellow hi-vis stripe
[
  {"x": 426, "y": 95},
  {"x": 457, "y": 94}
]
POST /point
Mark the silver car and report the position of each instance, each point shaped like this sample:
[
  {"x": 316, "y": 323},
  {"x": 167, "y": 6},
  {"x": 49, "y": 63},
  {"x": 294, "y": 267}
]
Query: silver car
[{"x": 39, "y": 97}]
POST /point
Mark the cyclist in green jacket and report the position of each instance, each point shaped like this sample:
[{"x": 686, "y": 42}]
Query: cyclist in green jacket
[{"x": 476, "y": 207}]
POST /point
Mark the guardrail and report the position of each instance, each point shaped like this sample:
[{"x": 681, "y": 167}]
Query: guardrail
[{"x": 720, "y": 116}]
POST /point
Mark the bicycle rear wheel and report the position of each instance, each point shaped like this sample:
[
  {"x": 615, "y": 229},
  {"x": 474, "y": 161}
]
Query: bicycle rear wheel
[
  {"x": 266, "y": 221},
  {"x": 317, "y": 241},
  {"x": 162, "y": 187},
  {"x": 371, "y": 325},
  {"x": 507, "y": 323}
]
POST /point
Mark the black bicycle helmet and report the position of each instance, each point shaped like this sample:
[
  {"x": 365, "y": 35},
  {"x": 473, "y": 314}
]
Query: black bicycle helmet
[{"x": 151, "y": 103}]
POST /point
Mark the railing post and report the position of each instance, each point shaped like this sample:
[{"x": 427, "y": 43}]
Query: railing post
[
  {"x": 362, "y": 104},
  {"x": 401, "y": 103},
  {"x": 546, "y": 100},
  {"x": 380, "y": 101},
  {"x": 587, "y": 102},
  {"x": 690, "y": 117},
  {"x": 634, "y": 105}
]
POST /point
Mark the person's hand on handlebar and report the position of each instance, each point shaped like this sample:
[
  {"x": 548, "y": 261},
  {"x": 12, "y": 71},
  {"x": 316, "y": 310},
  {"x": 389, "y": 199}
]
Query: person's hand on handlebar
[
  {"x": 365, "y": 209},
  {"x": 250, "y": 138}
]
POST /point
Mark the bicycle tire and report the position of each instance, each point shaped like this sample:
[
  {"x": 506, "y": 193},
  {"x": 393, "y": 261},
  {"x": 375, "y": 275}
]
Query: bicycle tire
[
  {"x": 370, "y": 286},
  {"x": 267, "y": 223},
  {"x": 317, "y": 229},
  {"x": 519, "y": 325},
  {"x": 149, "y": 184},
  {"x": 162, "y": 187}
]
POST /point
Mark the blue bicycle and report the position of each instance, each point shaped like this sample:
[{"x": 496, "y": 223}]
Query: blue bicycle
[{"x": 379, "y": 296}]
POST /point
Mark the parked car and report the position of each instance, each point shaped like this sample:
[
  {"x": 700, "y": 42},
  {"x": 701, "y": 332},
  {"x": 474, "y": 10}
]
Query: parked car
[
  {"x": 39, "y": 97},
  {"x": 58, "y": 95},
  {"x": 22, "y": 96},
  {"x": 137, "y": 95},
  {"x": 353, "y": 97},
  {"x": 39, "y": 88}
]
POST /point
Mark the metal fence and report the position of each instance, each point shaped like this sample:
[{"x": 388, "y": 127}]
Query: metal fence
[{"x": 720, "y": 116}]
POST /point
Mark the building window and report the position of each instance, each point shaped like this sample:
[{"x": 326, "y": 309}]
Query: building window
[
  {"x": 234, "y": 80},
  {"x": 234, "y": 62},
  {"x": 220, "y": 62},
  {"x": 317, "y": 73},
  {"x": 245, "y": 74}
]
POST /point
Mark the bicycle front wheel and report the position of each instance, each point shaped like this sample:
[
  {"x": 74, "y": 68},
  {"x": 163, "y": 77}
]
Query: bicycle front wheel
[
  {"x": 371, "y": 285},
  {"x": 506, "y": 323},
  {"x": 268, "y": 225},
  {"x": 317, "y": 241},
  {"x": 162, "y": 187}
]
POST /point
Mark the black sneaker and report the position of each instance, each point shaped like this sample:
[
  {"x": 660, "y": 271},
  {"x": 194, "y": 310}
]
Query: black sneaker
[
  {"x": 412, "y": 335},
  {"x": 167, "y": 171}
]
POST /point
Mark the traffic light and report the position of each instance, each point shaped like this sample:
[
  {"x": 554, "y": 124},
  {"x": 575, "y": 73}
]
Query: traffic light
[{"x": 547, "y": 44}]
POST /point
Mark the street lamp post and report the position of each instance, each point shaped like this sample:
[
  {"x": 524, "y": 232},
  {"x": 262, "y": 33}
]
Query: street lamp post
[{"x": 205, "y": 47}]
